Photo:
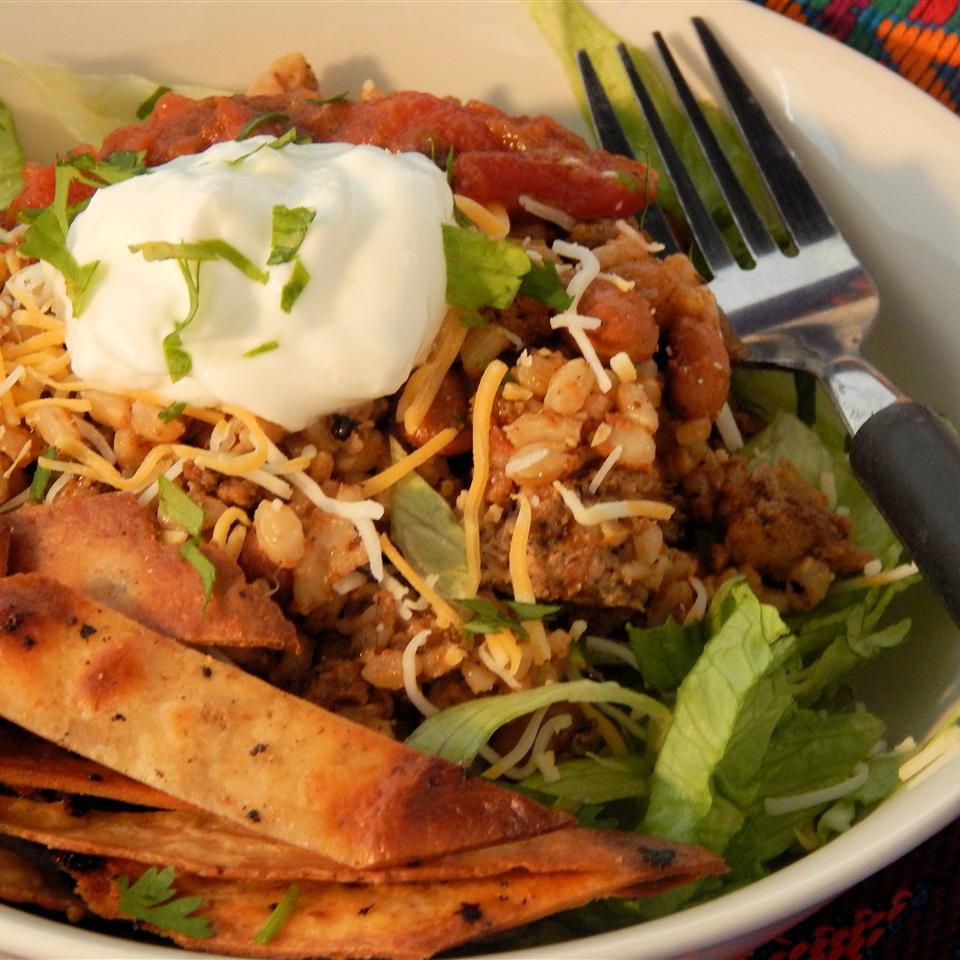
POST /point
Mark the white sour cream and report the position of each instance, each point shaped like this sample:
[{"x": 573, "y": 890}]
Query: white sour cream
[{"x": 367, "y": 316}]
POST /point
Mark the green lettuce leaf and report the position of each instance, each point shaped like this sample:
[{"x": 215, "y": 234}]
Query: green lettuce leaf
[
  {"x": 665, "y": 654},
  {"x": 726, "y": 710},
  {"x": 11, "y": 159},
  {"x": 458, "y": 733},
  {"x": 569, "y": 26},
  {"x": 594, "y": 780},
  {"x": 428, "y": 533},
  {"x": 90, "y": 105}
]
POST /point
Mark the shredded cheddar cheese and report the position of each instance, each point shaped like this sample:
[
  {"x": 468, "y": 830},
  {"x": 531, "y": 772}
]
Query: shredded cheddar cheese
[
  {"x": 520, "y": 579},
  {"x": 491, "y": 218},
  {"x": 446, "y": 615},
  {"x": 424, "y": 384},
  {"x": 397, "y": 471},
  {"x": 612, "y": 509},
  {"x": 482, "y": 413}
]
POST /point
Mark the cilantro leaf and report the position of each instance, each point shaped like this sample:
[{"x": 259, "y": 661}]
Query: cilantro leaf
[
  {"x": 177, "y": 507},
  {"x": 41, "y": 476},
  {"x": 281, "y": 914},
  {"x": 201, "y": 251},
  {"x": 290, "y": 225},
  {"x": 543, "y": 283},
  {"x": 336, "y": 98},
  {"x": 149, "y": 900},
  {"x": 261, "y": 118},
  {"x": 191, "y": 552},
  {"x": 299, "y": 278},
  {"x": 146, "y": 108},
  {"x": 47, "y": 240},
  {"x": 289, "y": 137},
  {"x": 490, "y": 618},
  {"x": 481, "y": 272},
  {"x": 172, "y": 411},
  {"x": 265, "y": 347}
]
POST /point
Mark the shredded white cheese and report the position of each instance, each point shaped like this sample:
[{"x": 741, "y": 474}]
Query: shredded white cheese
[
  {"x": 612, "y": 509},
  {"x": 777, "y": 806},
  {"x": 615, "y": 454},
  {"x": 728, "y": 429},
  {"x": 545, "y": 212},
  {"x": 408, "y": 663},
  {"x": 523, "y": 460}
]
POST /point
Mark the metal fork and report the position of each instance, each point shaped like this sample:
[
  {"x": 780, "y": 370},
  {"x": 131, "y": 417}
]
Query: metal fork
[{"x": 809, "y": 311}]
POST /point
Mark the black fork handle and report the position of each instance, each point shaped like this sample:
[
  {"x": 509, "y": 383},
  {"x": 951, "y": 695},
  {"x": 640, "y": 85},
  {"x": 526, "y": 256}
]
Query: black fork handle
[{"x": 908, "y": 460}]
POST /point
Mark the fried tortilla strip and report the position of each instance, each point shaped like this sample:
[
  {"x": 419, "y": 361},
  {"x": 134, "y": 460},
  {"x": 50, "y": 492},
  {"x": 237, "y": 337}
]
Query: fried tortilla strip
[
  {"x": 209, "y": 846},
  {"x": 341, "y": 921},
  {"x": 24, "y": 882},
  {"x": 108, "y": 547},
  {"x": 110, "y": 689},
  {"x": 29, "y": 763}
]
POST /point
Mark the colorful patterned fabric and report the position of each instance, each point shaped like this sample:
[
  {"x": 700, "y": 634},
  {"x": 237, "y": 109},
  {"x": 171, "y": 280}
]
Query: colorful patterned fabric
[
  {"x": 910, "y": 910},
  {"x": 920, "y": 39}
]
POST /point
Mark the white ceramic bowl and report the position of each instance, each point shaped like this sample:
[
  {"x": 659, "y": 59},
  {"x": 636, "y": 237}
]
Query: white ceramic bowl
[{"x": 882, "y": 154}]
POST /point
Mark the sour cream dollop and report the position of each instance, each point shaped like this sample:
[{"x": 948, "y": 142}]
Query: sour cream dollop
[{"x": 368, "y": 314}]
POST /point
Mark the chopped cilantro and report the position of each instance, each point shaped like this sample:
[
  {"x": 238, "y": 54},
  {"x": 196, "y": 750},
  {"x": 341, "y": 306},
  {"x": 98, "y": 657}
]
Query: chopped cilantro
[
  {"x": 292, "y": 289},
  {"x": 281, "y": 914},
  {"x": 269, "y": 117},
  {"x": 448, "y": 166},
  {"x": 488, "y": 617},
  {"x": 146, "y": 108},
  {"x": 201, "y": 251},
  {"x": 290, "y": 225},
  {"x": 336, "y": 98},
  {"x": 41, "y": 476},
  {"x": 543, "y": 283},
  {"x": 47, "y": 240},
  {"x": 191, "y": 552},
  {"x": 149, "y": 900},
  {"x": 289, "y": 137},
  {"x": 177, "y": 507},
  {"x": 481, "y": 272},
  {"x": 266, "y": 347},
  {"x": 172, "y": 411}
]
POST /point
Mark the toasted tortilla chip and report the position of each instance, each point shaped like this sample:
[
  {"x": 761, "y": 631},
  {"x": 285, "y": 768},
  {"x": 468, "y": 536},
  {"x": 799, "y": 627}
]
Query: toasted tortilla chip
[
  {"x": 341, "y": 921},
  {"x": 90, "y": 679},
  {"x": 209, "y": 846},
  {"x": 108, "y": 547},
  {"x": 29, "y": 763},
  {"x": 24, "y": 882}
]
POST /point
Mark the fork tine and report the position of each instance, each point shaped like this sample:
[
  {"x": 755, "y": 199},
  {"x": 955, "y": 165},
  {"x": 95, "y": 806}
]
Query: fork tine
[
  {"x": 802, "y": 212},
  {"x": 705, "y": 232},
  {"x": 611, "y": 137},
  {"x": 752, "y": 228}
]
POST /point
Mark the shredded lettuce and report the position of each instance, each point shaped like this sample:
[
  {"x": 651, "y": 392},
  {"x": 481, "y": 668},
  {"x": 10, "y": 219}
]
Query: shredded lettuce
[
  {"x": 88, "y": 105},
  {"x": 458, "y": 733},
  {"x": 666, "y": 654},
  {"x": 11, "y": 159},
  {"x": 594, "y": 780}
]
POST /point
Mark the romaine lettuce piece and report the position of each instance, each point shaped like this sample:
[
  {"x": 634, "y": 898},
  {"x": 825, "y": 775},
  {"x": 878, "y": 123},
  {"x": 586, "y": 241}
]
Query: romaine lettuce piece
[
  {"x": 428, "y": 534},
  {"x": 569, "y": 26},
  {"x": 91, "y": 105},
  {"x": 458, "y": 733},
  {"x": 11, "y": 159}
]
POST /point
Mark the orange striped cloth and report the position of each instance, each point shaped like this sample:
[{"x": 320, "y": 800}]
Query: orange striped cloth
[{"x": 919, "y": 39}]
